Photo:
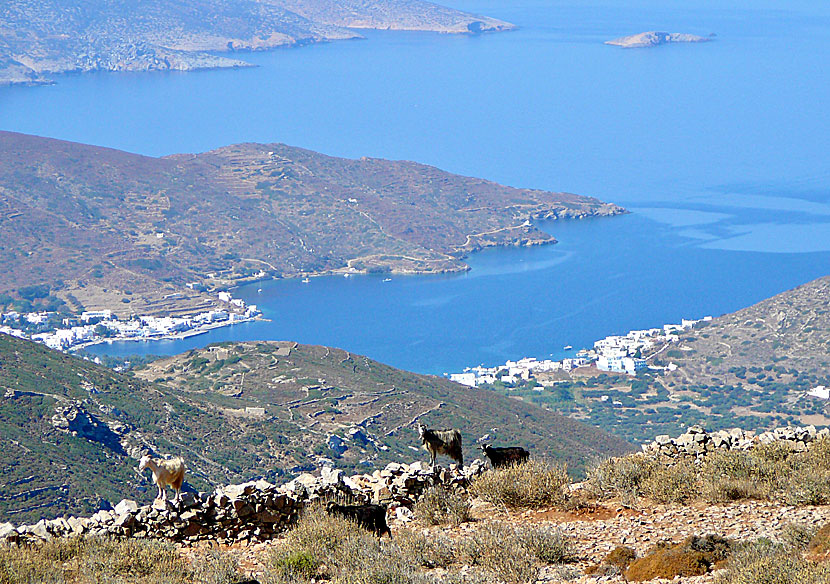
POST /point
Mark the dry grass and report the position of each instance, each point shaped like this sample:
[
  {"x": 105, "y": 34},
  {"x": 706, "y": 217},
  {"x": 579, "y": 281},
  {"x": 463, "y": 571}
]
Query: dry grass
[
  {"x": 330, "y": 548},
  {"x": 441, "y": 506},
  {"x": 767, "y": 472},
  {"x": 623, "y": 477},
  {"x": 92, "y": 560},
  {"x": 764, "y": 562},
  {"x": 533, "y": 484}
]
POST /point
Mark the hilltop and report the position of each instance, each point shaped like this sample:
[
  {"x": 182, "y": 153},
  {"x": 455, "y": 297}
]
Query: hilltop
[
  {"x": 74, "y": 429},
  {"x": 44, "y": 37},
  {"x": 106, "y": 229}
]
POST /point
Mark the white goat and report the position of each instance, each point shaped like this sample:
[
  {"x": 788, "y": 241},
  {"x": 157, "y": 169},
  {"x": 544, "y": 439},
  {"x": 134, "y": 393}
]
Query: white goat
[{"x": 165, "y": 472}]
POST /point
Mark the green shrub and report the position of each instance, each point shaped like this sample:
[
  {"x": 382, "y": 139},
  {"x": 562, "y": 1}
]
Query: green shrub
[
  {"x": 534, "y": 484},
  {"x": 296, "y": 565},
  {"x": 329, "y": 543},
  {"x": 441, "y": 506}
]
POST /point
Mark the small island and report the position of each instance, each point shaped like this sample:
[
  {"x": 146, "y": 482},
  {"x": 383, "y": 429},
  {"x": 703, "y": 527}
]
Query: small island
[{"x": 654, "y": 38}]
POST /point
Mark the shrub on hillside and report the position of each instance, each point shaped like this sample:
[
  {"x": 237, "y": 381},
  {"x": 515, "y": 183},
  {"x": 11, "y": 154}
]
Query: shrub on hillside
[
  {"x": 676, "y": 483},
  {"x": 694, "y": 556},
  {"x": 533, "y": 484},
  {"x": 796, "y": 537},
  {"x": 622, "y": 477},
  {"x": 514, "y": 555},
  {"x": 440, "y": 506},
  {"x": 92, "y": 560},
  {"x": 429, "y": 551},
  {"x": 321, "y": 547},
  {"x": 764, "y": 562},
  {"x": 329, "y": 546}
]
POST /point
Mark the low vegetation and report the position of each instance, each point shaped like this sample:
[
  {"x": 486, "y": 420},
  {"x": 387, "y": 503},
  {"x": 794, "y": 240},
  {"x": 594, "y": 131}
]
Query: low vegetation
[
  {"x": 94, "y": 560},
  {"x": 765, "y": 562},
  {"x": 442, "y": 506},
  {"x": 766, "y": 472},
  {"x": 694, "y": 556},
  {"x": 331, "y": 548},
  {"x": 533, "y": 485}
]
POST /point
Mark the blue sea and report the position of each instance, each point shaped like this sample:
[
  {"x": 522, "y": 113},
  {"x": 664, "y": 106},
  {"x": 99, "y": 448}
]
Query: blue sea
[{"x": 720, "y": 150}]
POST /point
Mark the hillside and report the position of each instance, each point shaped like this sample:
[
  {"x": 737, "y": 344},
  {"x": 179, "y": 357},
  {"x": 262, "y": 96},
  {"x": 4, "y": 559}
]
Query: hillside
[
  {"x": 109, "y": 229},
  {"x": 753, "y": 367},
  {"x": 73, "y": 429},
  {"x": 764, "y": 358},
  {"x": 44, "y": 37}
]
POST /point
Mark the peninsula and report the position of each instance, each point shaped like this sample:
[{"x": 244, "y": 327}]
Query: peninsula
[
  {"x": 39, "y": 39},
  {"x": 92, "y": 229},
  {"x": 654, "y": 38}
]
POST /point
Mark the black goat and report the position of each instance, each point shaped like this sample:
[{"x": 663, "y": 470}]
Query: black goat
[
  {"x": 367, "y": 516},
  {"x": 500, "y": 457},
  {"x": 442, "y": 442}
]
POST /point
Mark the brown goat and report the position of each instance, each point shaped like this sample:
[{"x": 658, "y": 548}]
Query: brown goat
[{"x": 446, "y": 442}]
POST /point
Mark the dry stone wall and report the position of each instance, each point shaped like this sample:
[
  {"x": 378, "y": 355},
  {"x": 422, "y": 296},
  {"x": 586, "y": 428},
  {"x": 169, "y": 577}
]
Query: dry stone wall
[
  {"x": 253, "y": 511},
  {"x": 697, "y": 442}
]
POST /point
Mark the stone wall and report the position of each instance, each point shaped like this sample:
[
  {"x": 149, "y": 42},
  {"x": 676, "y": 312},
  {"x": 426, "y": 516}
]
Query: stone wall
[
  {"x": 252, "y": 511},
  {"x": 697, "y": 442}
]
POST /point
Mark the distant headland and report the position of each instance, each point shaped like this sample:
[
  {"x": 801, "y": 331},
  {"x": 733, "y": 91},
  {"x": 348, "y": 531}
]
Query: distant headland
[
  {"x": 654, "y": 38},
  {"x": 40, "y": 39}
]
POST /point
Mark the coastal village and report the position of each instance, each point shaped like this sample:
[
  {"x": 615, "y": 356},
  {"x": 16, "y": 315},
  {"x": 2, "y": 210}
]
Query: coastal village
[
  {"x": 93, "y": 327},
  {"x": 616, "y": 354}
]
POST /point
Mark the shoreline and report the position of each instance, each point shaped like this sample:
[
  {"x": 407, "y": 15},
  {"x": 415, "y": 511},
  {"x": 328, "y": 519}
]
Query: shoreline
[{"x": 167, "y": 337}]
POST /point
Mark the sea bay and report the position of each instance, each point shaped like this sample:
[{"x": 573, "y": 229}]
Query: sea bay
[{"x": 719, "y": 150}]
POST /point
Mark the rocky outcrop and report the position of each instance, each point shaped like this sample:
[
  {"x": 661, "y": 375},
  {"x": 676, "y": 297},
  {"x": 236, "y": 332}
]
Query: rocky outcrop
[
  {"x": 252, "y": 511},
  {"x": 698, "y": 442},
  {"x": 655, "y": 38},
  {"x": 74, "y": 419}
]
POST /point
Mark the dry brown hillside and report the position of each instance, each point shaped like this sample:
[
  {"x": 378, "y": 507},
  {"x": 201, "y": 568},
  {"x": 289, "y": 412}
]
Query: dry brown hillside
[{"x": 110, "y": 229}]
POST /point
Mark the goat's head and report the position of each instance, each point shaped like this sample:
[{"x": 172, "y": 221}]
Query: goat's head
[
  {"x": 145, "y": 460},
  {"x": 484, "y": 447},
  {"x": 421, "y": 430}
]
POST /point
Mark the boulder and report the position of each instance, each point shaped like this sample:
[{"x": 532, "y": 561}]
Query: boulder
[
  {"x": 6, "y": 530},
  {"x": 126, "y": 506}
]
